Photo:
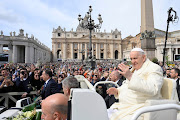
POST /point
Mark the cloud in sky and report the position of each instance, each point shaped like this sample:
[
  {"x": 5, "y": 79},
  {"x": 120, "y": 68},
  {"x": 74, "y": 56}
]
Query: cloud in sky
[
  {"x": 39, "y": 17},
  {"x": 8, "y": 16}
]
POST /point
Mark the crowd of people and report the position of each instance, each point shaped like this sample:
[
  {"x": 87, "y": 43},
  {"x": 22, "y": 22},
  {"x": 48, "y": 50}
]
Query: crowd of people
[{"x": 52, "y": 78}]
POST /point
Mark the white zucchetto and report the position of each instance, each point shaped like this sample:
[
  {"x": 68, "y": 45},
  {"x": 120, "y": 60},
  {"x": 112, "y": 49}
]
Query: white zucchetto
[{"x": 137, "y": 49}]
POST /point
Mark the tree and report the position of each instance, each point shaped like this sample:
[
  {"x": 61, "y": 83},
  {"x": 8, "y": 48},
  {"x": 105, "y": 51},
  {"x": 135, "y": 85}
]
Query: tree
[
  {"x": 155, "y": 60},
  {"x": 167, "y": 60}
]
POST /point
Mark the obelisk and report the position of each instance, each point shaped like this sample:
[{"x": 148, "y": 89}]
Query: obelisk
[{"x": 147, "y": 28}]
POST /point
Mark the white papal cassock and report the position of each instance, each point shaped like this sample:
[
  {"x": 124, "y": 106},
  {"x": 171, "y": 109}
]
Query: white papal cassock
[{"x": 145, "y": 84}]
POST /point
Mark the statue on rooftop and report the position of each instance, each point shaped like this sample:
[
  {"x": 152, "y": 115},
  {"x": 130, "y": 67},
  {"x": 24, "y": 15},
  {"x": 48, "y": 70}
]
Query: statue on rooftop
[{"x": 1, "y": 32}]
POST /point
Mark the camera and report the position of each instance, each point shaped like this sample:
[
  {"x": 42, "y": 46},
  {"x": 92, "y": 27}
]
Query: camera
[
  {"x": 22, "y": 72},
  {"x": 61, "y": 76}
]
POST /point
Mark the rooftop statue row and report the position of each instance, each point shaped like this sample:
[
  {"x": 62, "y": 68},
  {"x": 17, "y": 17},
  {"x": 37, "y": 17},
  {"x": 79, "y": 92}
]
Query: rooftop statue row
[
  {"x": 80, "y": 29},
  {"x": 21, "y": 34}
]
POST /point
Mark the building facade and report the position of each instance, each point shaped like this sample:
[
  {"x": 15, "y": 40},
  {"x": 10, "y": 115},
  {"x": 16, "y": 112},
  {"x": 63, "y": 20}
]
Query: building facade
[
  {"x": 172, "y": 47},
  {"x": 151, "y": 40},
  {"x": 68, "y": 45},
  {"x": 22, "y": 49}
]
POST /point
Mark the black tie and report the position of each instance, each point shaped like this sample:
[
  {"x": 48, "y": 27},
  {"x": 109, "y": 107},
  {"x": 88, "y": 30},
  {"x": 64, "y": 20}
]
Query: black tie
[{"x": 177, "y": 84}]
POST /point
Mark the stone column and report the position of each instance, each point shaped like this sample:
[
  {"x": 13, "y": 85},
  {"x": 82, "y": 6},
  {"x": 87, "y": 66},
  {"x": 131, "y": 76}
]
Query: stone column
[
  {"x": 97, "y": 51},
  {"x": 32, "y": 55},
  {"x": 80, "y": 51},
  {"x": 14, "y": 57},
  {"x": 105, "y": 51},
  {"x": 78, "y": 57},
  {"x": 112, "y": 51},
  {"x": 42, "y": 55},
  {"x": 170, "y": 54},
  {"x": 27, "y": 55},
  {"x": 176, "y": 50},
  {"x": 54, "y": 52},
  {"x": 1, "y": 48},
  {"x": 35, "y": 55},
  {"x": 85, "y": 50},
  {"x": 39, "y": 54},
  {"x": 10, "y": 55},
  {"x": 120, "y": 52},
  {"x": 72, "y": 51},
  {"x": 64, "y": 50}
]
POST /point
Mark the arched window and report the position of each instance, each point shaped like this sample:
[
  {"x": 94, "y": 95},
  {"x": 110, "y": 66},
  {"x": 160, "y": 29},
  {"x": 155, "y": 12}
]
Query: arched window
[{"x": 58, "y": 54}]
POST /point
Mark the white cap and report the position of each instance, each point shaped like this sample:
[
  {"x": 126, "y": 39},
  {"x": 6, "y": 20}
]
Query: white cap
[{"x": 137, "y": 49}]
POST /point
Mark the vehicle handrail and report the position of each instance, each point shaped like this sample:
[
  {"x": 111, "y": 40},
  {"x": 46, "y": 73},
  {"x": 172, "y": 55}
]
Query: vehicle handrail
[
  {"x": 105, "y": 82},
  {"x": 81, "y": 78},
  {"x": 89, "y": 85},
  {"x": 154, "y": 108}
]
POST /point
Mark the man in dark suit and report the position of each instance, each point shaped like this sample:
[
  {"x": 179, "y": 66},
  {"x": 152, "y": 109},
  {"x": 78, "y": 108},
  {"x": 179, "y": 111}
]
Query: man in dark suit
[
  {"x": 50, "y": 86},
  {"x": 175, "y": 75},
  {"x": 23, "y": 81},
  {"x": 117, "y": 78}
]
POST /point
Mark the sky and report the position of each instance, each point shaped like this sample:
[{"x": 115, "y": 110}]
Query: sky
[{"x": 39, "y": 17}]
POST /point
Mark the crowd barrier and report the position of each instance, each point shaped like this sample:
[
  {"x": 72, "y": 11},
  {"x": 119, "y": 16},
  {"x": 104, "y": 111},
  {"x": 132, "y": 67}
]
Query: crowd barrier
[{"x": 10, "y": 96}]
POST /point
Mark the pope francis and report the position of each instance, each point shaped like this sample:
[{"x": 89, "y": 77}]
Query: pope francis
[{"x": 143, "y": 82}]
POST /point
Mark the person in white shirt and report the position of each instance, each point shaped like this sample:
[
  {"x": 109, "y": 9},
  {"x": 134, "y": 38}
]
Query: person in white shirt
[{"x": 175, "y": 75}]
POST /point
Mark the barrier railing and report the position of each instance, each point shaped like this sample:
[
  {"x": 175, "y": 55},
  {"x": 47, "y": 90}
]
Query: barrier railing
[{"x": 10, "y": 95}]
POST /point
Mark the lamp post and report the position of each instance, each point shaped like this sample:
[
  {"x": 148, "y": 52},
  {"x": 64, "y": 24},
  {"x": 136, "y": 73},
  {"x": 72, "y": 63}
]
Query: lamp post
[
  {"x": 88, "y": 23},
  {"x": 171, "y": 18}
]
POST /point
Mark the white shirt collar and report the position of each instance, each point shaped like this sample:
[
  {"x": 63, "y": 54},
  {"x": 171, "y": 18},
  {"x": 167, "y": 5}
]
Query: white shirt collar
[
  {"x": 117, "y": 81},
  {"x": 47, "y": 81}
]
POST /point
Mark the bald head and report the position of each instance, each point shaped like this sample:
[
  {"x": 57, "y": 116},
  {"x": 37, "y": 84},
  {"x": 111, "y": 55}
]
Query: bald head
[
  {"x": 55, "y": 106},
  {"x": 56, "y": 100}
]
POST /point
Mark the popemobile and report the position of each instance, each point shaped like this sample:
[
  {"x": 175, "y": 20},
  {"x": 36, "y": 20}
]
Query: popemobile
[{"x": 86, "y": 104}]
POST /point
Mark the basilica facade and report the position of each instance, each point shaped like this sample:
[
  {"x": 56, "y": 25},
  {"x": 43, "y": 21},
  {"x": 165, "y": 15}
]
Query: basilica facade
[
  {"x": 70, "y": 45},
  {"x": 74, "y": 45}
]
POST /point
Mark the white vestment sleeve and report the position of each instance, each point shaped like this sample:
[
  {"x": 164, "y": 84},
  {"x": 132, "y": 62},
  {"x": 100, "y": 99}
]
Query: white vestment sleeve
[
  {"x": 150, "y": 84},
  {"x": 117, "y": 96}
]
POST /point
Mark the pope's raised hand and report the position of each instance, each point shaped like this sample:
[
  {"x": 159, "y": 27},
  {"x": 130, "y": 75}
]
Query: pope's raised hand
[{"x": 125, "y": 71}]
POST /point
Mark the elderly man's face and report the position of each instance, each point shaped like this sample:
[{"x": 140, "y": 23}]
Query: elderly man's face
[
  {"x": 137, "y": 59},
  {"x": 112, "y": 77},
  {"x": 46, "y": 112}
]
